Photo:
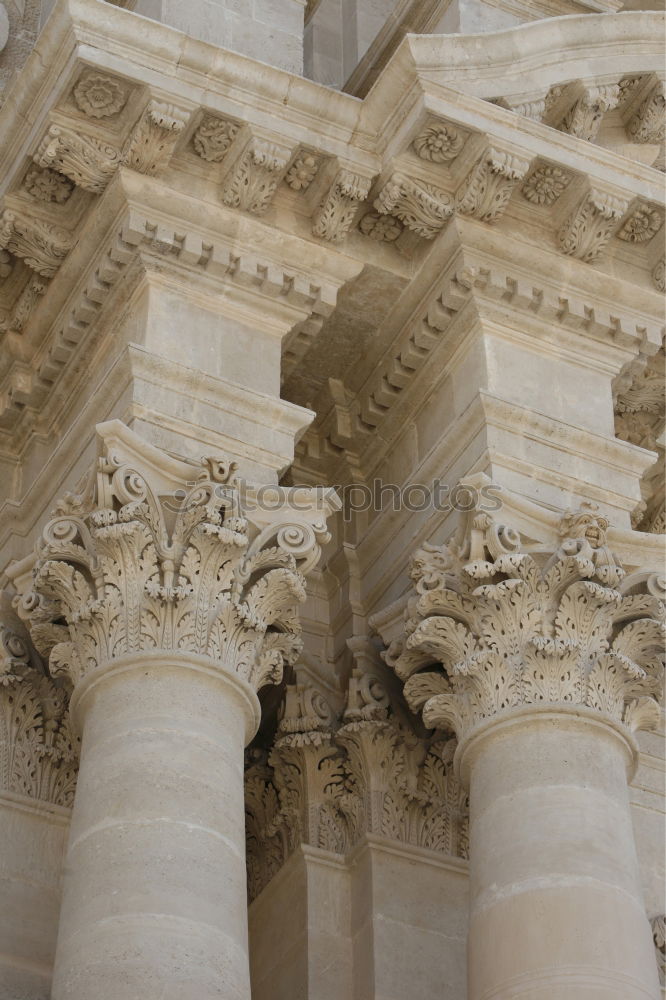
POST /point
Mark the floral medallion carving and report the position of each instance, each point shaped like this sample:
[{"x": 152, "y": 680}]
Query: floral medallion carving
[
  {"x": 99, "y": 96},
  {"x": 302, "y": 172},
  {"x": 439, "y": 143},
  {"x": 48, "y": 185},
  {"x": 544, "y": 185},
  {"x": 644, "y": 223},
  {"x": 381, "y": 228},
  {"x": 213, "y": 138}
]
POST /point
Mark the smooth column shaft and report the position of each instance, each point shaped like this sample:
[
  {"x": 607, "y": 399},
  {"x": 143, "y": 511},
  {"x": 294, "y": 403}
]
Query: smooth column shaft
[
  {"x": 556, "y": 905},
  {"x": 154, "y": 904}
]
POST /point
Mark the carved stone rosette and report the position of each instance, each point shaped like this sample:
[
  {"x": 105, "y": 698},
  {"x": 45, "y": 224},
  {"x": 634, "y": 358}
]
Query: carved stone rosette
[{"x": 503, "y": 630}]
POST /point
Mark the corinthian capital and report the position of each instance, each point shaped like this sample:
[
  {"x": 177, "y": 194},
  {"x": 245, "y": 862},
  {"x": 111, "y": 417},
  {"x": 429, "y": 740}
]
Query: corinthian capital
[
  {"x": 38, "y": 751},
  {"x": 134, "y": 564},
  {"x": 493, "y": 627}
]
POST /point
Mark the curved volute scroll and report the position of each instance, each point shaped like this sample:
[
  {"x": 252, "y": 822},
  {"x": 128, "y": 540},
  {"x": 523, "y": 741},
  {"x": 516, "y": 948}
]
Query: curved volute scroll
[
  {"x": 493, "y": 627},
  {"x": 130, "y": 566}
]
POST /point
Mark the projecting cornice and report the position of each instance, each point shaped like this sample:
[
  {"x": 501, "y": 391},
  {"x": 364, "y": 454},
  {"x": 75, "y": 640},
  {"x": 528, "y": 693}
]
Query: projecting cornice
[{"x": 281, "y": 190}]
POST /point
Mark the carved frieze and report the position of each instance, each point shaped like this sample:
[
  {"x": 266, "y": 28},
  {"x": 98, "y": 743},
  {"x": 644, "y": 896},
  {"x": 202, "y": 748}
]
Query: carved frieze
[
  {"x": 336, "y": 213},
  {"x": 502, "y": 630},
  {"x": 487, "y": 190},
  {"x": 421, "y": 207},
  {"x": 153, "y": 139},
  {"x": 588, "y": 229}
]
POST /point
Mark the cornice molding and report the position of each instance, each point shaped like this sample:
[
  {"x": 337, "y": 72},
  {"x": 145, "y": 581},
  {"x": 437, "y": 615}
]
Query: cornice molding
[
  {"x": 271, "y": 286},
  {"x": 161, "y": 118}
]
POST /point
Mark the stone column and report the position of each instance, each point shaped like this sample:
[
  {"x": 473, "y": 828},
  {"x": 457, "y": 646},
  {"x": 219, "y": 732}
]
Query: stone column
[
  {"x": 545, "y": 666},
  {"x": 167, "y": 610}
]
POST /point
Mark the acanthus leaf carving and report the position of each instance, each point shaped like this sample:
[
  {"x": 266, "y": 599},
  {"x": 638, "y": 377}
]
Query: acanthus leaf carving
[
  {"x": 153, "y": 139},
  {"x": 404, "y": 787},
  {"x": 42, "y": 245},
  {"x": 494, "y": 629},
  {"x": 487, "y": 190},
  {"x": 38, "y": 752},
  {"x": 87, "y": 161},
  {"x": 584, "y": 116},
  {"x": 129, "y": 572},
  {"x": 252, "y": 176},
  {"x": 421, "y": 207},
  {"x": 646, "y": 125},
  {"x": 533, "y": 108},
  {"x": 586, "y": 232},
  {"x": 336, "y": 213},
  {"x": 328, "y": 784}
]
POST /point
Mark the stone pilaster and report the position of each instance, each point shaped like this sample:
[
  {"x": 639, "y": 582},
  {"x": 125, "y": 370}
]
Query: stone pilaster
[
  {"x": 545, "y": 663},
  {"x": 166, "y": 609},
  {"x": 38, "y": 767}
]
